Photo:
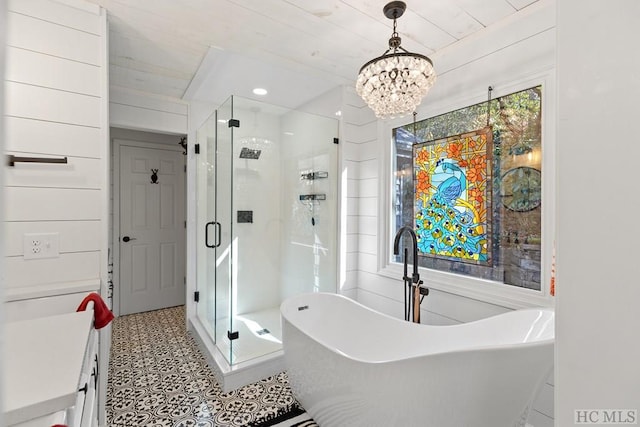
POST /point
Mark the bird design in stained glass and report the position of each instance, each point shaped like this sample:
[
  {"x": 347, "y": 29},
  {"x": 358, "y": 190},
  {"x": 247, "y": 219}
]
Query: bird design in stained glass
[{"x": 450, "y": 202}]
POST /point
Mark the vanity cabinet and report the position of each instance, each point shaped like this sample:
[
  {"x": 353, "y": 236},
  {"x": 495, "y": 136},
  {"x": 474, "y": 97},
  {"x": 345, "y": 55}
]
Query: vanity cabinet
[
  {"x": 52, "y": 371},
  {"x": 88, "y": 403}
]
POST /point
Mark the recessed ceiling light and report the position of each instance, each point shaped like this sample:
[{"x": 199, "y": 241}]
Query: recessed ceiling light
[{"x": 259, "y": 91}]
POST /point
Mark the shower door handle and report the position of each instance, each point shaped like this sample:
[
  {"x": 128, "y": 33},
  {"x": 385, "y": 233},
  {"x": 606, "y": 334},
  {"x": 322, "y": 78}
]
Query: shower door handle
[
  {"x": 218, "y": 234},
  {"x": 206, "y": 234}
]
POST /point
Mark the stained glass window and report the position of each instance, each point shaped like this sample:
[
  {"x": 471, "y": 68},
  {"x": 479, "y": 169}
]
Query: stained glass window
[
  {"x": 472, "y": 192},
  {"x": 452, "y": 190}
]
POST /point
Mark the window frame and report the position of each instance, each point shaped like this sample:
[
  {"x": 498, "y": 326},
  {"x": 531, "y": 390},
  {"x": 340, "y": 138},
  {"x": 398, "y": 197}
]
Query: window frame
[{"x": 471, "y": 287}]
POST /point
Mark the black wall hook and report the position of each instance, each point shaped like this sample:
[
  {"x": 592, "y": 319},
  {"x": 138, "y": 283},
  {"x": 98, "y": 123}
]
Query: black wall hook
[{"x": 154, "y": 176}]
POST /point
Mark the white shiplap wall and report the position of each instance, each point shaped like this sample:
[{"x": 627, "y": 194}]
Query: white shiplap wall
[
  {"x": 56, "y": 105},
  {"x": 3, "y": 20},
  {"x": 129, "y": 109},
  {"x": 513, "y": 50},
  {"x": 360, "y": 151}
]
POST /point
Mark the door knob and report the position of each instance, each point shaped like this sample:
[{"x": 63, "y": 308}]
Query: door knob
[{"x": 127, "y": 238}]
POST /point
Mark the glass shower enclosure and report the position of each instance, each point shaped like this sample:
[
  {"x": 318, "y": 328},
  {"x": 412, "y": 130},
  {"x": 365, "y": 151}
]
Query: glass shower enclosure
[{"x": 267, "y": 221}]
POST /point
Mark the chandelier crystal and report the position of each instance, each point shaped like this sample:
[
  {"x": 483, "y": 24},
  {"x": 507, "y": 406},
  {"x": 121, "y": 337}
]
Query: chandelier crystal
[{"x": 394, "y": 83}]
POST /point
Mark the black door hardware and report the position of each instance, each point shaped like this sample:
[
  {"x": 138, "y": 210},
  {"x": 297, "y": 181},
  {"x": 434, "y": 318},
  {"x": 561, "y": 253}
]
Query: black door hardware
[{"x": 206, "y": 234}]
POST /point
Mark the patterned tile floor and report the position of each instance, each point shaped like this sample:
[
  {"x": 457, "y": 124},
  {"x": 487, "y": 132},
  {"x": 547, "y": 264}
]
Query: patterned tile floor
[{"x": 158, "y": 377}]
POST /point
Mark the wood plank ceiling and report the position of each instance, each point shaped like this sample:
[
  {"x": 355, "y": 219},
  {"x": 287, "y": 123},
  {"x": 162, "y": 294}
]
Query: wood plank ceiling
[{"x": 158, "y": 46}]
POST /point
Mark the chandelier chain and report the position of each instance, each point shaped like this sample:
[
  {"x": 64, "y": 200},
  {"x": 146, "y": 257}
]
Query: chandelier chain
[{"x": 489, "y": 92}]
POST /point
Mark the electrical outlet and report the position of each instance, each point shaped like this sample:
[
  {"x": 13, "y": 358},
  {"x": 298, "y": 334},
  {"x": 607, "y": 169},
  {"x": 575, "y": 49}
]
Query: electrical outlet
[{"x": 41, "y": 245}]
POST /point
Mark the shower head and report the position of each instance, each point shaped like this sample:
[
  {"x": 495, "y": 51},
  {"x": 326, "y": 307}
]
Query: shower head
[{"x": 248, "y": 153}]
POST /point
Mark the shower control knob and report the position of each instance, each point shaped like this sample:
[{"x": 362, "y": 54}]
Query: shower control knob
[{"x": 127, "y": 238}]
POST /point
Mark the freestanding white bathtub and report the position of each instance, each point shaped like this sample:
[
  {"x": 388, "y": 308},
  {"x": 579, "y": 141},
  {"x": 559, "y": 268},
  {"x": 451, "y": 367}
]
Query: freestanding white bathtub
[{"x": 351, "y": 366}]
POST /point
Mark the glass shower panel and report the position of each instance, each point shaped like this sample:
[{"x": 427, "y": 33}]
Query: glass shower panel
[
  {"x": 206, "y": 237},
  {"x": 224, "y": 268},
  {"x": 268, "y": 205},
  {"x": 310, "y": 204},
  {"x": 257, "y": 218}
]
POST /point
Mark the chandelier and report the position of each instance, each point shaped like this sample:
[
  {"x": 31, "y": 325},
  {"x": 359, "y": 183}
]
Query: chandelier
[{"x": 394, "y": 84}]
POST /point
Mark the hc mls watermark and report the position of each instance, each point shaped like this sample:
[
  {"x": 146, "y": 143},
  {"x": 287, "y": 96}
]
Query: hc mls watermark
[{"x": 606, "y": 416}]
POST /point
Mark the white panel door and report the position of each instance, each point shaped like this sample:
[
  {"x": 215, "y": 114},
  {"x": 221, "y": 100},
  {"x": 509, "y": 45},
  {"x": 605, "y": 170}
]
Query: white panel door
[{"x": 152, "y": 232}]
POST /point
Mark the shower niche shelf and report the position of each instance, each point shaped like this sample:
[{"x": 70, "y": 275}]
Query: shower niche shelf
[
  {"x": 305, "y": 197},
  {"x": 314, "y": 175}
]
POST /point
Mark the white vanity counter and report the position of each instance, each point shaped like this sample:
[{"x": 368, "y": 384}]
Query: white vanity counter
[{"x": 44, "y": 359}]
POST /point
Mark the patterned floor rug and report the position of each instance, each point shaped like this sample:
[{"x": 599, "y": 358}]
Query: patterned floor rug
[
  {"x": 159, "y": 378},
  {"x": 294, "y": 416}
]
